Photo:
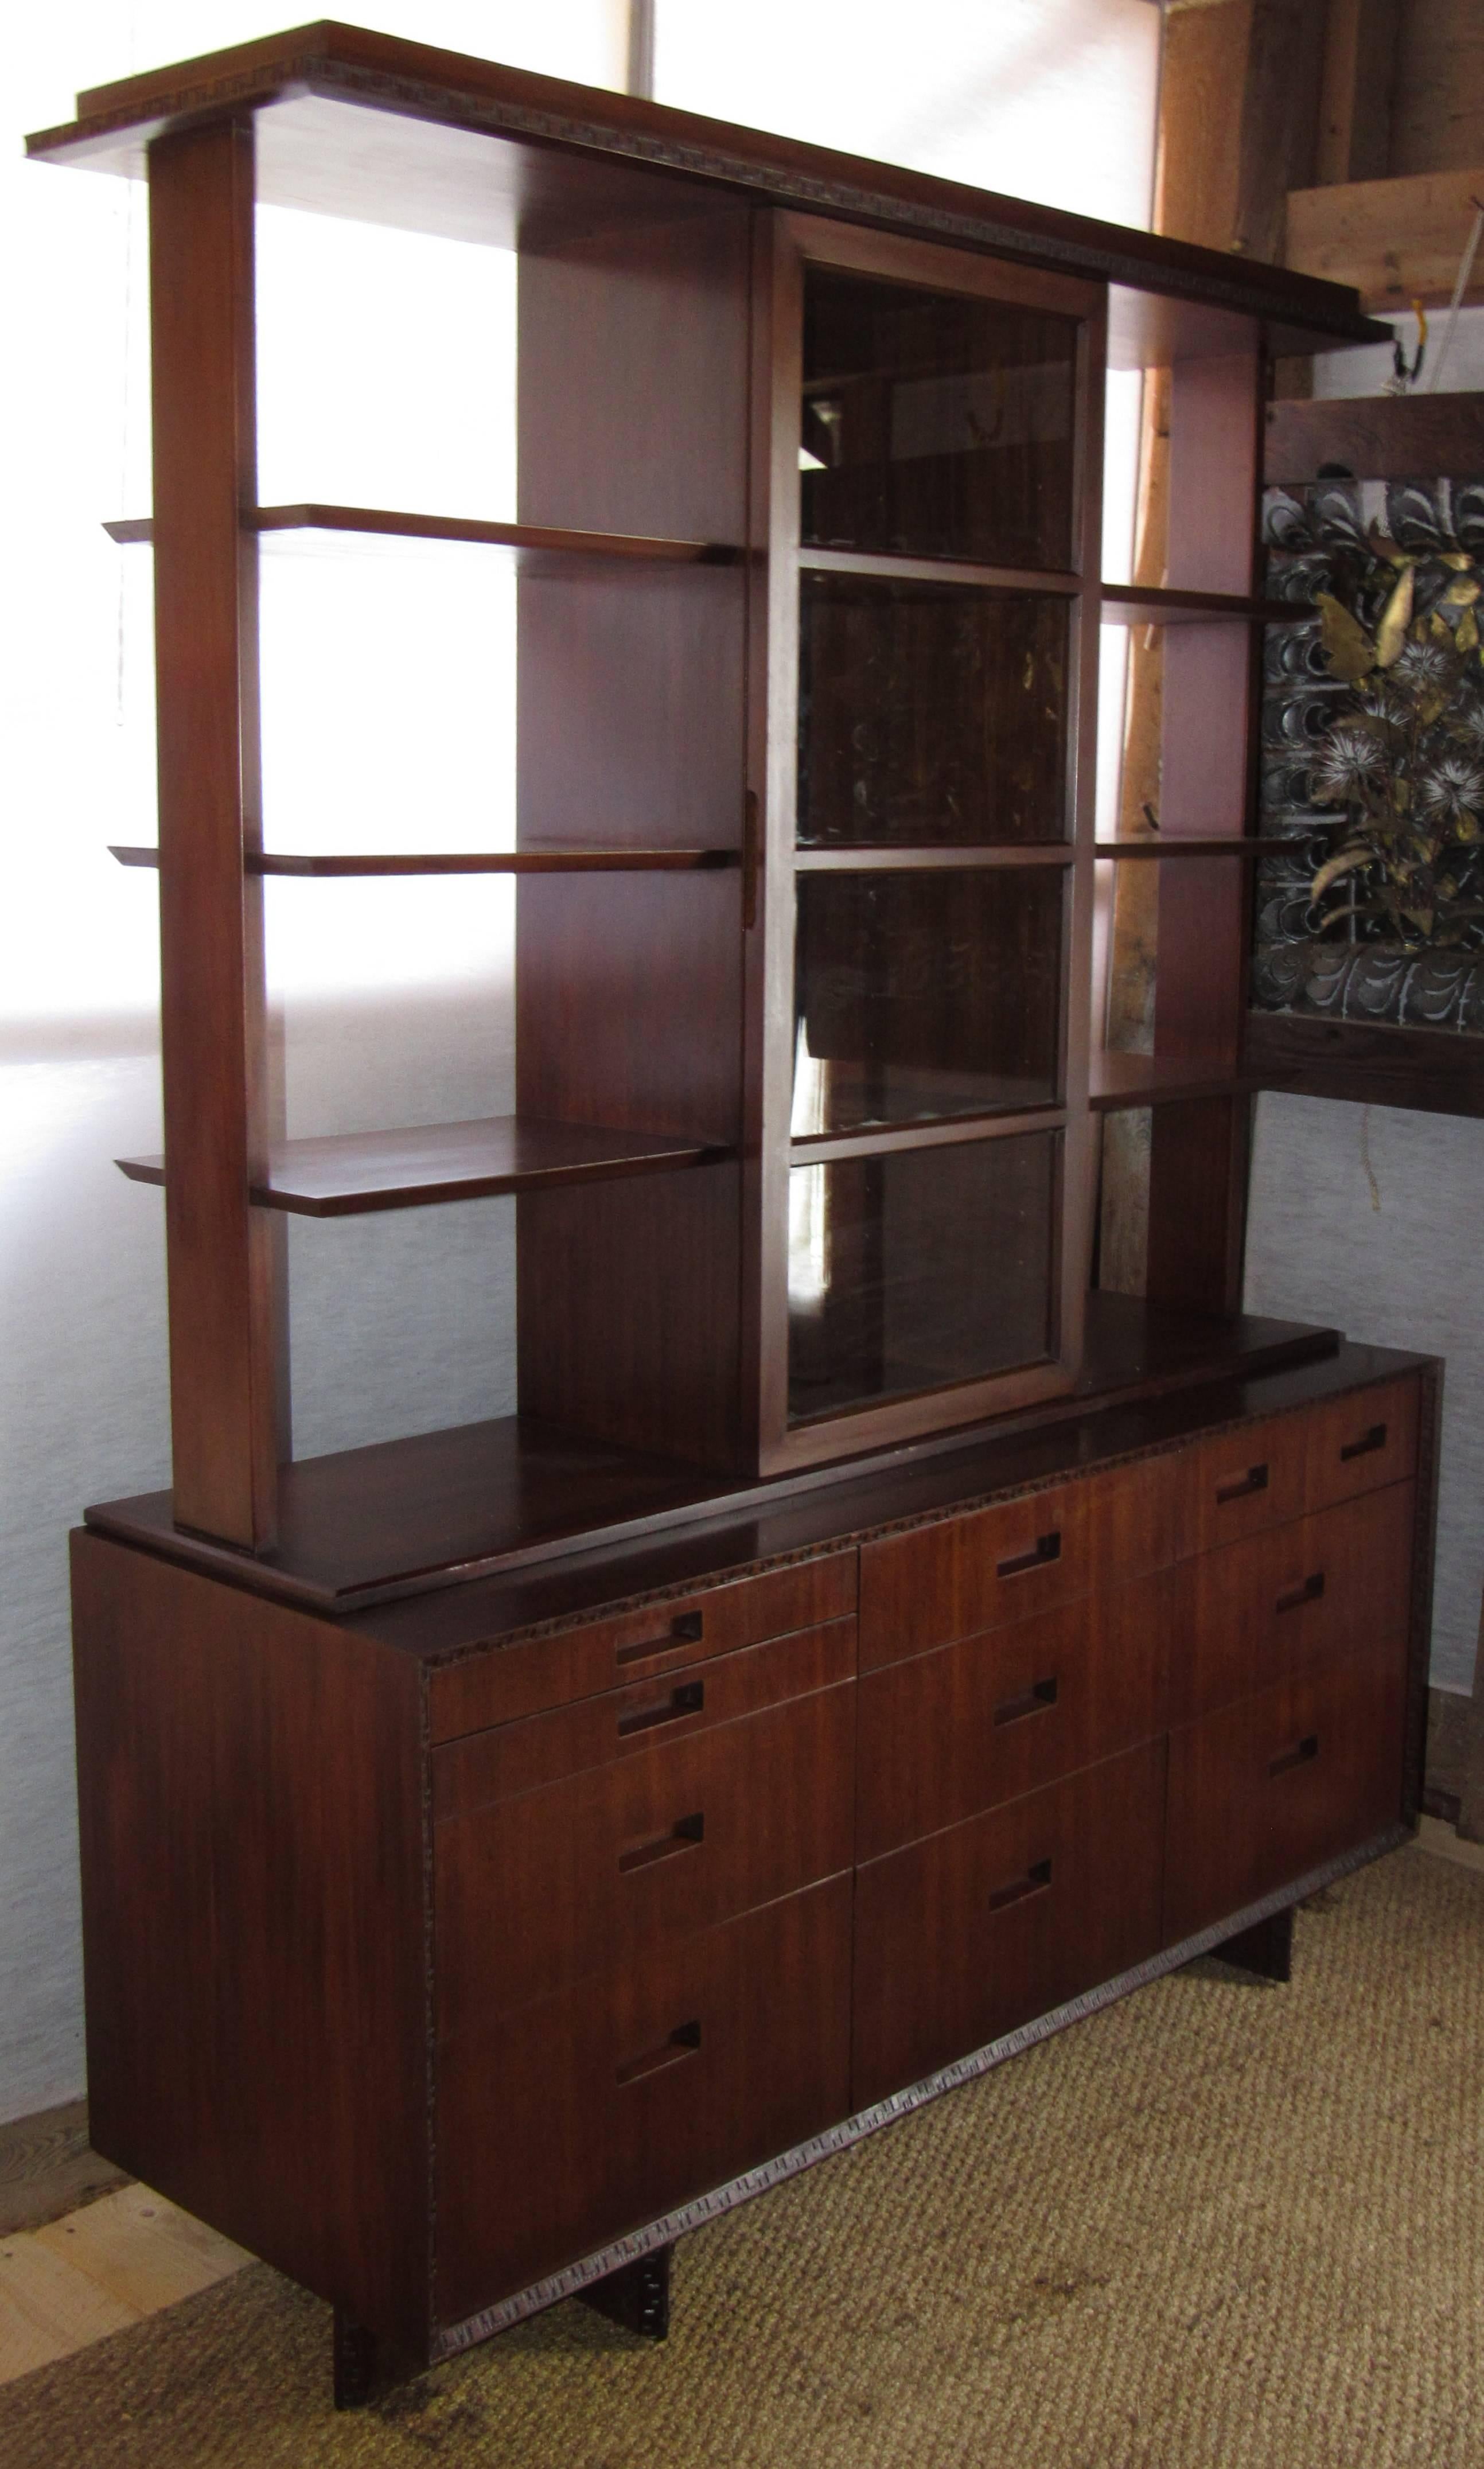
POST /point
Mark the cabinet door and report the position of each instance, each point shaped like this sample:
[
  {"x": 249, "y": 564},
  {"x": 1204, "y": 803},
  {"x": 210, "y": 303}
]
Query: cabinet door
[{"x": 932, "y": 516}]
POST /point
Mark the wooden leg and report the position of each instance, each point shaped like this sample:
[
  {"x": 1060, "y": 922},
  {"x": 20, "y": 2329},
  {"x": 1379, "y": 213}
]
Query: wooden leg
[
  {"x": 1266, "y": 1947},
  {"x": 637, "y": 2296},
  {"x": 355, "y": 2361}
]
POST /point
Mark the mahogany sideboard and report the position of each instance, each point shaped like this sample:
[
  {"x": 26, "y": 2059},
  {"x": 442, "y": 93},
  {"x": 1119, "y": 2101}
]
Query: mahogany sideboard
[{"x": 459, "y": 1954}]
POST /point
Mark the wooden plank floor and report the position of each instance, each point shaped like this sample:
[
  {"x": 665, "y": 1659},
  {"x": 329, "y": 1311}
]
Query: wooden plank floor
[{"x": 98, "y": 2269}]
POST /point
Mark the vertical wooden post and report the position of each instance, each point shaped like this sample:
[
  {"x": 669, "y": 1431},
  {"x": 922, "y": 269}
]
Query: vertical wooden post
[
  {"x": 219, "y": 1249},
  {"x": 1199, "y": 1158}
]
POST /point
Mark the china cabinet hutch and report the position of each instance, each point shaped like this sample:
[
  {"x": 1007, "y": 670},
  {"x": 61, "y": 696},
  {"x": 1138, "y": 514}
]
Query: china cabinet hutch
[{"x": 869, "y": 1646}]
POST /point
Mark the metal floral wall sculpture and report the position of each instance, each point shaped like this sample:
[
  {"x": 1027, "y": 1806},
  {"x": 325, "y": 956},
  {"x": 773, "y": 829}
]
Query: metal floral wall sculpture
[{"x": 1374, "y": 757}]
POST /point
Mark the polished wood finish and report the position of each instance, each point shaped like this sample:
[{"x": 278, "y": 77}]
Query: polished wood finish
[
  {"x": 426, "y": 172},
  {"x": 556, "y": 1827},
  {"x": 1374, "y": 437},
  {"x": 1285, "y": 1602},
  {"x": 608, "y": 1866},
  {"x": 224, "y": 1407},
  {"x": 686, "y": 1698},
  {"x": 345, "y": 1174},
  {"x": 638, "y": 2088},
  {"x": 253, "y": 1836},
  {"x": 1137, "y": 604},
  {"x": 972, "y": 1725},
  {"x": 1262, "y": 1788},
  {"x": 672, "y": 1890},
  {"x": 1432, "y": 1072},
  {"x": 290, "y": 863},
  {"x": 970, "y": 1932},
  {"x": 535, "y": 548},
  {"x": 957, "y": 1577},
  {"x": 503, "y": 1683},
  {"x": 438, "y": 1508}
]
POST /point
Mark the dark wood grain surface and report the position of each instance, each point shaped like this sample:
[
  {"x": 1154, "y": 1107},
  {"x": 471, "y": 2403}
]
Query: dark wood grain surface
[
  {"x": 435, "y": 1509},
  {"x": 1285, "y": 1602},
  {"x": 623, "y": 2095},
  {"x": 610, "y": 1864},
  {"x": 498, "y": 1687},
  {"x": 294, "y": 863},
  {"x": 975, "y": 1725},
  {"x": 253, "y": 1920},
  {"x": 1376, "y": 437},
  {"x": 1264, "y": 1788},
  {"x": 963, "y": 1936},
  {"x": 1433, "y": 1071},
  {"x": 534, "y": 549},
  {"x": 224, "y": 1309},
  {"x": 344, "y": 1174},
  {"x": 483, "y": 96}
]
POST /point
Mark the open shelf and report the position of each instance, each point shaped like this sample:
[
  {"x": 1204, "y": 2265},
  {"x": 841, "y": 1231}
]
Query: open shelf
[
  {"x": 1116, "y": 1080},
  {"x": 879, "y": 857},
  {"x": 289, "y": 863},
  {"x": 1187, "y": 844},
  {"x": 1134, "y": 604},
  {"x": 443, "y": 1507},
  {"x": 533, "y": 547},
  {"x": 887, "y": 566},
  {"x": 346, "y": 1174}
]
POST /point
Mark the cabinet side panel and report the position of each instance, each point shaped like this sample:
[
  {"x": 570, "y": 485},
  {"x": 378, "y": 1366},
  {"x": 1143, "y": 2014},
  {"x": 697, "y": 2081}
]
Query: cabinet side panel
[
  {"x": 254, "y": 1924},
  {"x": 633, "y": 376},
  {"x": 628, "y": 1297}
]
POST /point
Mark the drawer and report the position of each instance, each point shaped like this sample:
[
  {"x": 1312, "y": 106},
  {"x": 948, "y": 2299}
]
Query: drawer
[
  {"x": 1282, "y": 1604},
  {"x": 1272, "y": 1787},
  {"x": 629, "y": 1723},
  {"x": 1251, "y": 1478},
  {"x": 533, "y": 1893},
  {"x": 970, "y": 1725},
  {"x": 503, "y": 1683},
  {"x": 963, "y": 1937},
  {"x": 964, "y": 1575},
  {"x": 1356, "y": 1445},
  {"x": 591, "y": 2113}
]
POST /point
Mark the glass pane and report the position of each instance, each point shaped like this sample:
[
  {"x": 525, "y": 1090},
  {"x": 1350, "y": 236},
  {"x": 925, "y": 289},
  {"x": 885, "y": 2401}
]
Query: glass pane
[
  {"x": 917, "y": 995},
  {"x": 936, "y": 424},
  {"x": 914, "y": 1270},
  {"x": 930, "y": 714}
]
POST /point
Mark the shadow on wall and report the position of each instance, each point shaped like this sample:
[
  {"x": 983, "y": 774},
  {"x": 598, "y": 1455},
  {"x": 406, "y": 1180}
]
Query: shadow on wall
[
  {"x": 1367, "y": 1218},
  {"x": 400, "y": 1322}
]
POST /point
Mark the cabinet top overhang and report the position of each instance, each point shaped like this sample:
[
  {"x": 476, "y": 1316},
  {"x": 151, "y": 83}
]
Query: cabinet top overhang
[{"x": 378, "y": 129}]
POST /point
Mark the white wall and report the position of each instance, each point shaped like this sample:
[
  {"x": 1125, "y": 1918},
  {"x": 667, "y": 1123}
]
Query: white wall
[
  {"x": 1394, "y": 1265},
  {"x": 388, "y": 714}
]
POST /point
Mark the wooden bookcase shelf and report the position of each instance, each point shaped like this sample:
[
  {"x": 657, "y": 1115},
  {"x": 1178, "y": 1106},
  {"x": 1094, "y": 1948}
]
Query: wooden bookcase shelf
[
  {"x": 535, "y": 548},
  {"x": 348, "y": 1174},
  {"x": 296, "y": 866},
  {"x": 1119, "y": 1079},
  {"x": 1135, "y": 604},
  {"x": 1170, "y": 845}
]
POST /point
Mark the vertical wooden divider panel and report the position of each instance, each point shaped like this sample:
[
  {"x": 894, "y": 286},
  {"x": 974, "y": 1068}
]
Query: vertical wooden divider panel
[
  {"x": 220, "y": 1250},
  {"x": 1198, "y": 1164}
]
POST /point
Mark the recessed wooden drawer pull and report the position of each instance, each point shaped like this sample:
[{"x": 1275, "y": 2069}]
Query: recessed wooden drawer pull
[
  {"x": 1301, "y": 1754},
  {"x": 1374, "y": 1439},
  {"x": 686, "y": 1698},
  {"x": 687, "y": 1629},
  {"x": 683, "y": 2043},
  {"x": 1043, "y": 1550},
  {"x": 1310, "y": 1592},
  {"x": 1036, "y": 1880},
  {"x": 1243, "y": 1486},
  {"x": 1041, "y": 1694},
  {"x": 685, "y": 1832}
]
